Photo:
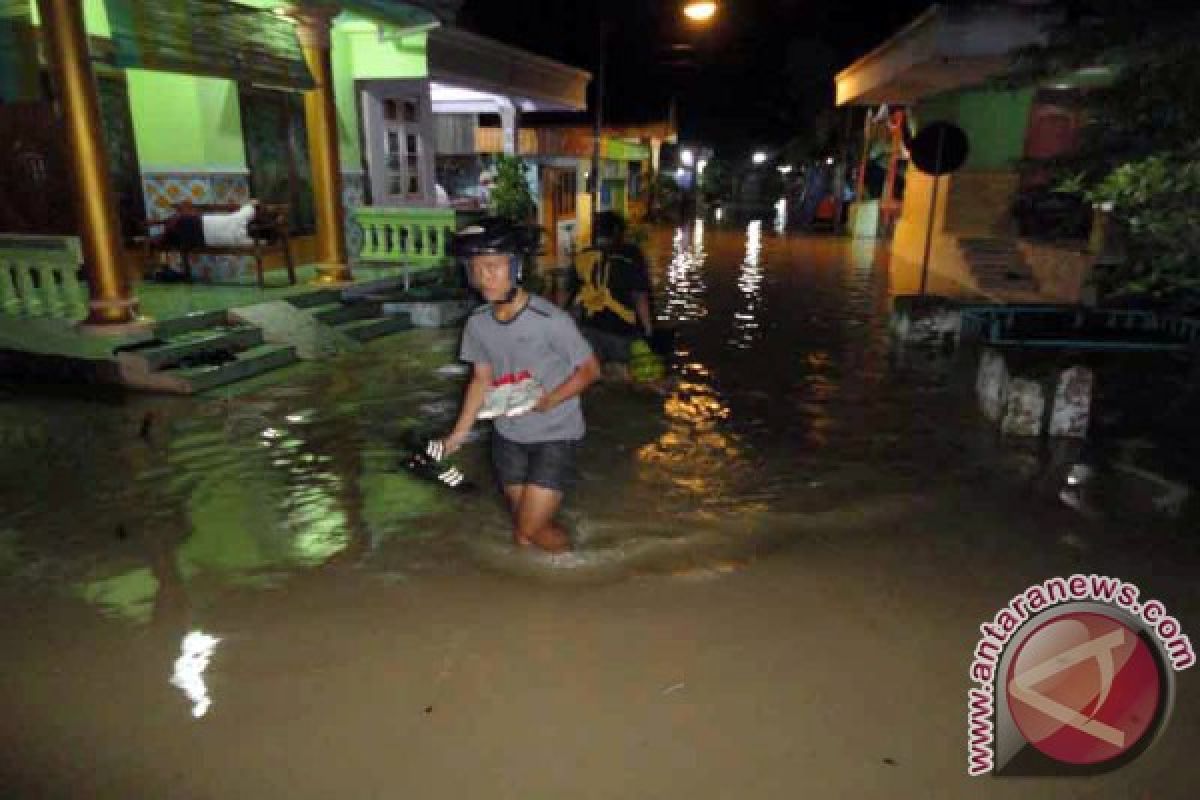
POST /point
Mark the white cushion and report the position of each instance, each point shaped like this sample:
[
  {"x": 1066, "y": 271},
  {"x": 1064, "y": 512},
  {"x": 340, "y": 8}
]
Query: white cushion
[{"x": 229, "y": 230}]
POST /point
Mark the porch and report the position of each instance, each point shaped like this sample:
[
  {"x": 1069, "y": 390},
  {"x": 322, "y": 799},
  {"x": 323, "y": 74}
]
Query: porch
[{"x": 198, "y": 335}]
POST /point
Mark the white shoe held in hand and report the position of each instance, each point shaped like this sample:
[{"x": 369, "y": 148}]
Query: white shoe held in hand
[
  {"x": 496, "y": 402},
  {"x": 524, "y": 395}
]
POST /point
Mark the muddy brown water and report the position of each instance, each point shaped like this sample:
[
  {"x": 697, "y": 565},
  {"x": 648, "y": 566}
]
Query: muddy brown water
[{"x": 792, "y": 461}]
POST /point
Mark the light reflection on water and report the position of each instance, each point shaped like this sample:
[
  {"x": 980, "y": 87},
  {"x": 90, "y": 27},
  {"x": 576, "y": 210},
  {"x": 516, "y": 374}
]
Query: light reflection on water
[
  {"x": 780, "y": 386},
  {"x": 684, "y": 288},
  {"x": 746, "y": 327}
]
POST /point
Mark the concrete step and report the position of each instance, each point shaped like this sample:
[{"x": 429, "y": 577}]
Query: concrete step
[
  {"x": 199, "y": 320},
  {"x": 993, "y": 258},
  {"x": 248, "y": 363},
  {"x": 1001, "y": 269},
  {"x": 317, "y": 297},
  {"x": 194, "y": 343},
  {"x": 338, "y": 313},
  {"x": 1007, "y": 283},
  {"x": 364, "y": 330},
  {"x": 364, "y": 289},
  {"x": 985, "y": 244}
]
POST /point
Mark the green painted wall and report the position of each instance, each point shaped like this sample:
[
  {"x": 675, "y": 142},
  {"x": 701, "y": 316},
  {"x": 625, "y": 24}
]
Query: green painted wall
[
  {"x": 401, "y": 58},
  {"x": 95, "y": 17},
  {"x": 995, "y": 122},
  {"x": 343, "y": 96},
  {"x": 184, "y": 123},
  {"x": 187, "y": 123},
  {"x": 358, "y": 54},
  {"x": 181, "y": 123}
]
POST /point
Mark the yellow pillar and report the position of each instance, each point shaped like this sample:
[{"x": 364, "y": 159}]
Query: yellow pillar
[
  {"x": 320, "y": 117},
  {"x": 112, "y": 308}
]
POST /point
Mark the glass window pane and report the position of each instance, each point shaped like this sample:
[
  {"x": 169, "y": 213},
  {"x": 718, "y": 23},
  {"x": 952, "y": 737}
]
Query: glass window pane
[
  {"x": 393, "y": 142},
  {"x": 413, "y": 185},
  {"x": 411, "y": 142},
  {"x": 389, "y": 109},
  {"x": 410, "y": 110},
  {"x": 396, "y": 186}
]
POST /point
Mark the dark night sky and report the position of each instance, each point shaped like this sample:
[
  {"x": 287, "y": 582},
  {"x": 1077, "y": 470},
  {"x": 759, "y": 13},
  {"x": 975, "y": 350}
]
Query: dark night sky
[{"x": 735, "y": 89}]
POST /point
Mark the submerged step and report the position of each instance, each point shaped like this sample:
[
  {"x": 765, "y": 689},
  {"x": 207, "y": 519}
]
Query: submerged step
[
  {"x": 338, "y": 313},
  {"x": 197, "y": 343},
  {"x": 247, "y": 364},
  {"x": 198, "y": 320},
  {"x": 319, "y": 297},
  {"x": 366, "y": 329}
]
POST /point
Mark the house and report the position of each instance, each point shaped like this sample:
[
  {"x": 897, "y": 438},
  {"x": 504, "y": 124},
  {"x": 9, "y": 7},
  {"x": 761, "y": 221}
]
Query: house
[
  {"x": 112, "y": 112},
  {"x": 941, "y": 68},
  {"x": 560, "y": 157},
  {"x": 422, "y": 97}
]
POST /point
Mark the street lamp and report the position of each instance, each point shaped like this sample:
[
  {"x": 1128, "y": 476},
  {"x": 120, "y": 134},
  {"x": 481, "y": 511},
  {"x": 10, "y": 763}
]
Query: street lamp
[
  {"x": 784, "y": 169},
  {"x": 700, "y": 11},
  {"x": 759, "y": 158},
  {"x": 687, "y": 158}
]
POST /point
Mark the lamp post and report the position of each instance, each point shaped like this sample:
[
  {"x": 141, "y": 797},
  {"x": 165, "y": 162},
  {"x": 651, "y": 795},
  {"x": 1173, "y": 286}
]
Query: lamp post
[
  {"x": 700, "y": 10},
  {"x": 695, "y": 10}
]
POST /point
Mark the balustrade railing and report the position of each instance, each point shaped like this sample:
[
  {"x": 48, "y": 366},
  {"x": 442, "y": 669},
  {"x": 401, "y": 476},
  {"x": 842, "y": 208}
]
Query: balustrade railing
[
  {"x": 412, "y": 237},
  {"x": 39, "y": 277}
]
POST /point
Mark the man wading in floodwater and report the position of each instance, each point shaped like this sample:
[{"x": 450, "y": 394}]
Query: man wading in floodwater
[{"x": 530, "y": 366}]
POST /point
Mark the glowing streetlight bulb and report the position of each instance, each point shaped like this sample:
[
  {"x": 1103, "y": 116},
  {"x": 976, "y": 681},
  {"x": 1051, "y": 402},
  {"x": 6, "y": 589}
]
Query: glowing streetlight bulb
[
  {"x": 784, "y": 168},
  {"x": 759, "y": 157},
  {"x": 700, "y": 11},
  {"x": 700, "y": 166},
  {"x": 687, "y": 158}
]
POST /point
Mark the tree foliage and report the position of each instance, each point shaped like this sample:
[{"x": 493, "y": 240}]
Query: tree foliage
[
  {"x": 511, "y": 197},
  {"x": 1140, "y": 149}
]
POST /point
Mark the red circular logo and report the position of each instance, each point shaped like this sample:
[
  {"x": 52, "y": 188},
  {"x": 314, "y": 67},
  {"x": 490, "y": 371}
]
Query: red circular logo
[{"x": 1084, "y": 688}]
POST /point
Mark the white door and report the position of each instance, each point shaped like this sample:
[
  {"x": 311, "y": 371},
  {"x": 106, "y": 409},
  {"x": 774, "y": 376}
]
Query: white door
[{"x": 398, "y": 120}]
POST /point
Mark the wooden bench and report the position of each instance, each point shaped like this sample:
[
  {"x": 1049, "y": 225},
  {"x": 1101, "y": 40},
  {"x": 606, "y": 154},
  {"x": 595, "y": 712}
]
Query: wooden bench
[{"x": 268, "y": 231}]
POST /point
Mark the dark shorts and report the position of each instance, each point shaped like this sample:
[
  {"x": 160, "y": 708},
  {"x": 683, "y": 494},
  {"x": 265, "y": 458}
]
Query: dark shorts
[
  {"x": 608, "y": 347},
  {"x": 550, "y": 465}
]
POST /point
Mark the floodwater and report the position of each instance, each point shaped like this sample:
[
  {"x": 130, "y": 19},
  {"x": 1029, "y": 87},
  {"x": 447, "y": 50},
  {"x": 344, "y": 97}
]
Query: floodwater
[{"x": 244, "y": 594}]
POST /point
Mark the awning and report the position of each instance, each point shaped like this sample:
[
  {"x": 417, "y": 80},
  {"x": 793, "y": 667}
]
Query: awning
[
  {"x": 473, "y": 65},
  {"x": 215, "y": 38},
  {"x": 407, "y": 13},
  {"x": 942, "y": 49}
]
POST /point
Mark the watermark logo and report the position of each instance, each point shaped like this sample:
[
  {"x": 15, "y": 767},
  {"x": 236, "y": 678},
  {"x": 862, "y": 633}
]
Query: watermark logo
[{"x": 1074, "y": 676}]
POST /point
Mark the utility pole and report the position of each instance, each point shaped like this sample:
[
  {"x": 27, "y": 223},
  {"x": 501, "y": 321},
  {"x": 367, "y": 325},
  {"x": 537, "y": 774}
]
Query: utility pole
[{"x": 598, "y": 123}]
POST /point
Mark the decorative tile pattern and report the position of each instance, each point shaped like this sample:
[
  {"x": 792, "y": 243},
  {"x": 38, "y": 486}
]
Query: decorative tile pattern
[{"x": 353, "y": 195}]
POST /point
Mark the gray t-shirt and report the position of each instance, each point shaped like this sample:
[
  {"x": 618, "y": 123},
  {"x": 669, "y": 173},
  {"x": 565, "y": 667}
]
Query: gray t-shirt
[{"x": 543, "y": 339}]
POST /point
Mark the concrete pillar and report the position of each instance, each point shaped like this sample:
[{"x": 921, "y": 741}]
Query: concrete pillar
[
  {"x": 991, "y": 384},
  {"x": 111, "y": 306},
  {"x": 320, "y": 118},
  {"x": 860, "y": 185},
  {"x": 1071, "y": 412},
  {"x": 510, "y": 119},
  {"x": 1024, "y": 408}
]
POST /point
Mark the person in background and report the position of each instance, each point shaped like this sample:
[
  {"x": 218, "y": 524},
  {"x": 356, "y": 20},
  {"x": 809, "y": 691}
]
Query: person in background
[{"x": 614, "y": 296}]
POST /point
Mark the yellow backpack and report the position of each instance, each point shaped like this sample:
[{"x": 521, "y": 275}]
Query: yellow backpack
[{"x": 594, "y": 295}]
